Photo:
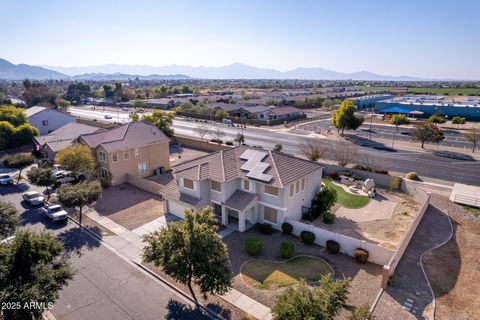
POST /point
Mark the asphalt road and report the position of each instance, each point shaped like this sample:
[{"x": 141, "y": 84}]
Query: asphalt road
[
  {"x": 104, "y": 286},
  {"x": 426, "y": 165}
]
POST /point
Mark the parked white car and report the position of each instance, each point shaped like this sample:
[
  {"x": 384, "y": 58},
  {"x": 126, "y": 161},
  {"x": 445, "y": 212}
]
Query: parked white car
[
  {"x": 107, "y": 116},
  {"x": 33, "y": 198},
  {"x": 54, "y": 212},
  {"x": 5, "y": 179}
]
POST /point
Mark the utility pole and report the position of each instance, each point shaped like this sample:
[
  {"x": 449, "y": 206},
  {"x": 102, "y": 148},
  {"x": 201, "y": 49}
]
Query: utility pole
[{"x": 371, "y": 121}]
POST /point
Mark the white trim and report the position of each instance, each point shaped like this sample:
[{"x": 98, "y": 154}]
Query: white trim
[
  {"x": 269, "y": 194},
  {"x": 125, "y": 153},
  {"x": 271, "y": 205},
  {"x": 104, "y": 156},
  {"x": 139, "y": 152},
  {"x": 193, "y": 184},
  {"x": 213, "y": 190}
]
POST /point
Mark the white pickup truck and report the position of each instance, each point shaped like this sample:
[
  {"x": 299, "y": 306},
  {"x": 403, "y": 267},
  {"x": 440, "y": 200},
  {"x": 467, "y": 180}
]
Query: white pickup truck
[{"x": 54, "y": 212}]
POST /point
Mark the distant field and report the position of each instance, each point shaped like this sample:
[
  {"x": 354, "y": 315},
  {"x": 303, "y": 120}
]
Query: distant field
[
  {"x": 447, "y": 91},
  {"x": 379, "y": 89}
]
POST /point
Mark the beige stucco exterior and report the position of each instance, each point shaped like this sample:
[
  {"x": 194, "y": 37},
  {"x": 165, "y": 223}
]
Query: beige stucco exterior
[{"x": 155, "y": 156}]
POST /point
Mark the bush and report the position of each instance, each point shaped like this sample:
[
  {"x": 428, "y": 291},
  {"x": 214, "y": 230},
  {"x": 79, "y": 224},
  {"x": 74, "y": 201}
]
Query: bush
[
  {"x": 334, "y": 176},
  {"x": 307, "y": 237},
  {"x": 364, "y": 168},
  {"x": 333, "y": 246},
  {"x": 412, "y": 176},
  {"x": 328, "y": 217},
  {"x": 323, "y": 201},
  {"x": 361, "y": 255},
  {"x": 287, "y": 228},
  {"x": 395, "y": 183},
  {"x": 265, "y": 228},
  {"x": 253, "y": 246},
  {"x": 286, "y": 249}
]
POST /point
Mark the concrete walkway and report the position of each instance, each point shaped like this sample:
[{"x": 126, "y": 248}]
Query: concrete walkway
[{"x": 129, "y": 244}]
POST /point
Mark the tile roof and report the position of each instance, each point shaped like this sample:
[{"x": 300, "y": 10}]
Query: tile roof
[
  {"x": 240, "y": 200},
  {"x": 69, "y": 131},
  {"x": 284, "y": 110},
  {"x": 225, "y": 166},
  {"x": 171, "y": 191},
  {"x": 127, "y": 136}
]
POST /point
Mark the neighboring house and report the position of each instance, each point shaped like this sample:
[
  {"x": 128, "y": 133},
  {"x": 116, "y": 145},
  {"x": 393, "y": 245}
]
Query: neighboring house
[
  {"x": 46, "y": 119},
  {"x": 48, "y": 145},
  {"x": 244, "y": 186},
  {"x": 286, "y": 113},
  {"x": 135, "y": 148}
]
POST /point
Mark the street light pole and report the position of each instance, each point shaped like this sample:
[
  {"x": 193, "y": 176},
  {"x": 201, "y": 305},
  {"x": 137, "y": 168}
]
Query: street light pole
[{"x": 371, "y": 121}]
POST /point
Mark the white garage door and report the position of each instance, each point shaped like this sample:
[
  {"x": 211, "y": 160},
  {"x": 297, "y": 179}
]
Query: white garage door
[{"x": 176, "y": 209}]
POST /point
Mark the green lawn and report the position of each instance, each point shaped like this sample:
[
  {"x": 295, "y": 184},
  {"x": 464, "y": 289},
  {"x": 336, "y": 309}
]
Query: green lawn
[
  {"x": 448, "y": 91},
  {"x": 472, "y": 210},
  {"x": 267, "y": 275},
  {"x": 346, "y": 199}
]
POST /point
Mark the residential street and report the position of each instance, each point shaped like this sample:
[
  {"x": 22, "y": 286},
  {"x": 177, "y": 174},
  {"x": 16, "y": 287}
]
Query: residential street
[{"x": 104, "y": 286}]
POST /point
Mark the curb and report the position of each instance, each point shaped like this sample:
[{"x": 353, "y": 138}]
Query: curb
[{"x": 180, "y": 292}]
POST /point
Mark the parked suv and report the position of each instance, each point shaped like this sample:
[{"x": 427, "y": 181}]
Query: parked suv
[
  {"x": 54, "y": 212},
  {"x": 33, "y": 198},
  {"x": 67, "y": 177},
  {"x": 5, "y": 179}
]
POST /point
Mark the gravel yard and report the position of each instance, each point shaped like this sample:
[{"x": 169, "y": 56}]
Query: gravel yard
[
  {"x": 129, "y": 206},
  {"x": 386, "y": 232}
]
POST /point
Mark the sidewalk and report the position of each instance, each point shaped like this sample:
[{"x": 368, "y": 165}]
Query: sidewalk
[{"x": 129, "y": 244}]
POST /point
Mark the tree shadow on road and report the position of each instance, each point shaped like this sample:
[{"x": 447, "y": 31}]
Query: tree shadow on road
[
  {"x": 76, "y": 240},
  {"x": 218, "y": 309},
  {"x": 178, "y": 310}
]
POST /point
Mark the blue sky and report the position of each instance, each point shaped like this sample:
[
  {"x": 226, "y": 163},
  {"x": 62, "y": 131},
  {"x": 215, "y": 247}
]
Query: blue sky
[{"x": 423, "y": 38}]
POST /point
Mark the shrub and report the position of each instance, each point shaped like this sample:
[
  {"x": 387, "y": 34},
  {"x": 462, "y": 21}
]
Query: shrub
[
  {"x": 229, "y": 143},
  {"x": 412, "y": 176},
  {"x": 287, "y": 228},
  {"x": 395, "y": 183},
  {"x": 286, "y": 249},
  {"x": 361, "y": 255},
  {"x": 265, "y": 228},
  {"x": 333, "y": 246},
  {"x": 307, "y": 237},
  {"x": 323, "y": 201},
  {"x": 361, "y": 167},
  {"x": 253, "y": 246},
  {"x": 328, "y": 217},
  {"x": 334, "y": 176}
]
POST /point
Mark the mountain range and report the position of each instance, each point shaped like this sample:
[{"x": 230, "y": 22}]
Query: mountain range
[{"x": 11, "y": 71}]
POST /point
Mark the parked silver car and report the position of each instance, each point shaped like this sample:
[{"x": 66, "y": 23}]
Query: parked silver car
[
  {"x": 33, "y": 198},
  {"x": 5, "y": 179},
  {"x": 54, "y": 212}
]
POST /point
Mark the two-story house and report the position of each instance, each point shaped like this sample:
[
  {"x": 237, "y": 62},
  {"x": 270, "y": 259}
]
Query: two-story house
[
  {"x": 136, "y": 148},
  {"x": 244, "y": 186}
]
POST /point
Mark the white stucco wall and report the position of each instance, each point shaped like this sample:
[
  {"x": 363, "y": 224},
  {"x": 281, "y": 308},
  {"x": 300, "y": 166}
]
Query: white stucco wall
[{"x": 55, "y": 120}]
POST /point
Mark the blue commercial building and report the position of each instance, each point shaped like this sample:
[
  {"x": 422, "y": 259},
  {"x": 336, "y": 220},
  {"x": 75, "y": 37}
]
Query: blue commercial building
[
  {"x": 428, "y": 105},
  {"x": 368, "y": 102}
]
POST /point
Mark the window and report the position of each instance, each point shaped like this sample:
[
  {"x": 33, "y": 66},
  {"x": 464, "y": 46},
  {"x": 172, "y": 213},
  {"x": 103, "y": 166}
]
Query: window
[
  {"x": 188, "y": 183},
  {"x": 302, "y": 187},
  {"x": 102, "y": 156},
  {"x": 216, "y": 186},
  {"x": 271, "y": 190},
  {"x": 103, "y": 172},
  {"x": 44, "y": 123},
  {"x": 292, "y": 190},
  {"x": 142, "y": 167},
  {"x": 115, "y": 157},
  {"x": 246, "y": 185},
  {"x": 270, "y": 215},
  {"x": 137, "y": 153},
  {"x": 126, "y": 155},
  {"x": 297, "y": 187}
]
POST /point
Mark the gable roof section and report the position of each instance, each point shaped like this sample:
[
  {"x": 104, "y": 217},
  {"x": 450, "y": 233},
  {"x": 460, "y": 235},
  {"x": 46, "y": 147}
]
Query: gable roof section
[
  {"x": 127, "y": 136},
  {"x": 225, "y": 166},
  {"x": 34, "y": 110},
  {"x": 284, "y": 110}
]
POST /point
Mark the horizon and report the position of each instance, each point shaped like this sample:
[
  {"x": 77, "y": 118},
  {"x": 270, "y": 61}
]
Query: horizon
[{"x": 408, "y": 39}]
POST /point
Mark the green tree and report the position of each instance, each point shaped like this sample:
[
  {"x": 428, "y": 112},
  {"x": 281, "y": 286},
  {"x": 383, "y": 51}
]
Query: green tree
[
  {"x": 134, "y": 116},
  {"x": 162, "y": 120},
  {"x": 278, "y": 147},
  {"x": 108, "y": 91},
  {"x": 192, "y": 251},
  {"x": 42, "y": 177},
  {"x": 472, "y": 136},
  {"x": 240, "y": 138},
  {"x": 221, "y": 114},
  {"x": 458, "y": 120},
  {"x": 7, "y": 132},
  {"x": 23, "y": 134},
  {"x": 325, "y": 301},
  {"x": 18, "y": 161},
  {"x": 344, "y": 117},
  {"x": 138, "y": 104},
  {"x": 8, "y": 219},
  {"x": 77, "y": 158},
  {"x": 362, "y": 313},
  {"x": 79, "y": 195},
  {"x": 32, "y": 270},
  {"x": 398, "y": 119},
  {"x": 324, "y": 201},
  {"x": 436, "y": 119},
  {"x": 77, "y": 91},
  {"x": 427, "y": 132},
  {"x": 16, "y": 116}
]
